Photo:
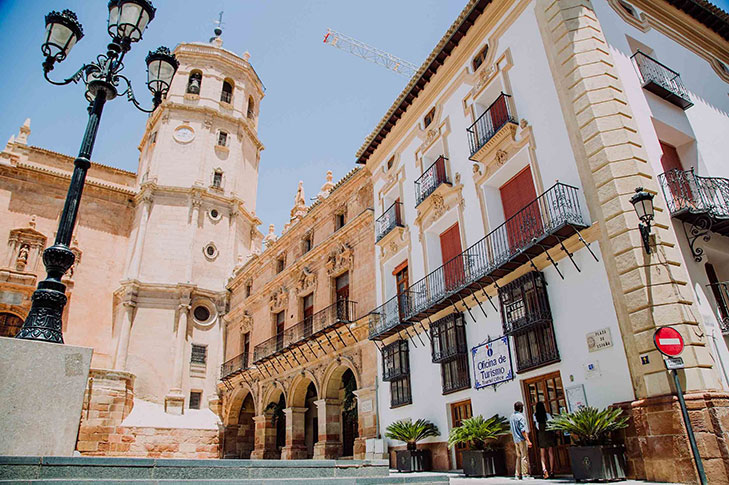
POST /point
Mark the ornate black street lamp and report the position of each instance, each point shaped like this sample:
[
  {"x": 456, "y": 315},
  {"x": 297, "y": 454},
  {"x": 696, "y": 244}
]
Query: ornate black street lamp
[
  {"x": 127, "y": 21},
  {"x": 643, "y": 204}
]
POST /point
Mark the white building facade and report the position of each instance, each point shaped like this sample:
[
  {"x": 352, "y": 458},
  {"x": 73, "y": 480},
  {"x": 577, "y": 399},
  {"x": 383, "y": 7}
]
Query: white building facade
[{"x": 509, "y": 262}]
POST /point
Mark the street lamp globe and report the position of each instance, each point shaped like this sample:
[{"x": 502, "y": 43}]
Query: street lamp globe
[
  {"x": 161, "y": 67},
  {"x": 129, "y": 18},
  {"x": 643, "y": 204},
  {"x": 63, "y": 30}
]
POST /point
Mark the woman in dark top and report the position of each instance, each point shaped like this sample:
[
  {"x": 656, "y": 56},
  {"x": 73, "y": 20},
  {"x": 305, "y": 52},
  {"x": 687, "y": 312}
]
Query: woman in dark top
[{"x": 545, "y": 439}]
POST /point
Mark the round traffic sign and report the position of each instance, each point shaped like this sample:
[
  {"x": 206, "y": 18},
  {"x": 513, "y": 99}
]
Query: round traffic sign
[{"x": 668, "y": 341}]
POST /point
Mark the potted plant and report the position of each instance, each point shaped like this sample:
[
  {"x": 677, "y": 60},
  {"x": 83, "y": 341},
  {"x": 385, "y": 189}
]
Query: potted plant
[
  {"x": 412, "y": 459},
  {"x": 484, "y": 458},
  {"x": 593, "y": 455}
]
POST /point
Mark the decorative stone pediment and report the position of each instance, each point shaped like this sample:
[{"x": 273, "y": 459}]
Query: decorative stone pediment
[
  {"x": 306, "y": 282},
  {"x": 503, "y": 138},
  {"x": 340, "y": 260},
  {"x": 443, "y": 199},
  {"x": 279, "y": 299},
  {"x": 483, "y": 76},
  {"x": 246, "y": 322},
  {"x": 501, "y": 148},
  {"x": 394, "y": 241},
  {"x": 25, "y": 248}
]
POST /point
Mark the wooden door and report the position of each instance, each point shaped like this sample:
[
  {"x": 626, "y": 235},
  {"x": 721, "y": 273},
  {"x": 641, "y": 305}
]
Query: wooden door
[
  {"x": 460, "y": 411},
  {"x": 402, "y": 282},
  {"x": 547, "y": 389},
  {"x": 308, "y": 315},
  {"x": 280, "y": 320},
  {"x": 452, "y": 254},
  {"x": 678, "y": 181},
  {"x": 521, "y": 212},
  {"x": 342, "y": 295},
  {"x": 246, "y": 347},
  {"x": 499, "y": 113}
]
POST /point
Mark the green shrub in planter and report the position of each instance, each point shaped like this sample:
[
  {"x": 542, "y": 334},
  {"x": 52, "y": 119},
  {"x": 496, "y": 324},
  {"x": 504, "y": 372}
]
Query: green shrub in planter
[
  {"x": 593, "y": 455},
  {"x": 484, "y": 459},
  {"x": 412, "y": 459}
]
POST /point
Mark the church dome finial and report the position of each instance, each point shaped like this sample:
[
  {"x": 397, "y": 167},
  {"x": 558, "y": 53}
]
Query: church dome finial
[{"x": 218, "y": 31}]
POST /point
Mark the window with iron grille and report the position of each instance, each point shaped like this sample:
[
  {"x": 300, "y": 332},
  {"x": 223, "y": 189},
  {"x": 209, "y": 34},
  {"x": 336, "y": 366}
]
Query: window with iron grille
[
  {"x": 222, "y": 139},
  {"x": 217, "y": 179},
  {"x": 395, "y": 361},
  {"x": 195, "y": 398},
  {"x": 524, "y": 303},
  {"x": 454, "y": 374},
  {"x": 535, "y": 347},
  {"x": 448, "y": 337},
  {"x": 400, "y": 394},
  {"x": 199, "y": 354}
]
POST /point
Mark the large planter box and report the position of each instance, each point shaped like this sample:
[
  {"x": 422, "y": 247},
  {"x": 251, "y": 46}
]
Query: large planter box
[
  {"x": 484, "y": 463},
  {"x": 413, "y": 460},
  {"x": 598, "y": 462}
]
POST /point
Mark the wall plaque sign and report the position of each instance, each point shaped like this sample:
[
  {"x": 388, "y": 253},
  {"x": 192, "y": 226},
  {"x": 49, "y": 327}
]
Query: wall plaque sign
[
  {"x": 598, "y": 340},
  {"x": 492, "y": 363}
]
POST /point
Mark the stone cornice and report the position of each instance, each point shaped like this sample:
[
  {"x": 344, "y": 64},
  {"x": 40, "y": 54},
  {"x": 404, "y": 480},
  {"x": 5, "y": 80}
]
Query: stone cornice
[{"x": 141, "y": 289}]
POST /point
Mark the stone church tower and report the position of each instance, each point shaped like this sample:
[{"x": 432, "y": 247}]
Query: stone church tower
[{"x": 194, "y": 221}]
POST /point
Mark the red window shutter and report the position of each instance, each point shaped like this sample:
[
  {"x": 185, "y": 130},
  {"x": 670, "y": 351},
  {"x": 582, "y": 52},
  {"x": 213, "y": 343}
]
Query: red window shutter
[
  {"x": 670, "y": 159},
  {"x": 450, "y": 248},
  {"x": 518, "y": 192},
  {"x": 517, "y": 197}
]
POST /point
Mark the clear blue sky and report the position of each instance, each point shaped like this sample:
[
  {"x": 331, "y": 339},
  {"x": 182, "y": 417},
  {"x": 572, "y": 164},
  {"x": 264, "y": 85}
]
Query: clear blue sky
[{"x": 320, "y": 102}]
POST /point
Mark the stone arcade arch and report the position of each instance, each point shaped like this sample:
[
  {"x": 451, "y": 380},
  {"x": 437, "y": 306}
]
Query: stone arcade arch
[
  {"x": 301, "y": 418},
  {"x": 339, "y": 387},
  {"x": 239, "y": 432},
  {"x": 270, "y": 436}
]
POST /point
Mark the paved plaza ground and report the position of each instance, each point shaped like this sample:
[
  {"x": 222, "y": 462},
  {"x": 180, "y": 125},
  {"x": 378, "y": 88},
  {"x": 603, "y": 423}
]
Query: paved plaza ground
[{"x": 458, "y": 479}]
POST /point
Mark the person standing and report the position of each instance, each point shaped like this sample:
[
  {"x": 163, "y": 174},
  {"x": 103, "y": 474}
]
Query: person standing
[
  {"x": 546, "y": 440},
  {"x": 518, "y": 425}
]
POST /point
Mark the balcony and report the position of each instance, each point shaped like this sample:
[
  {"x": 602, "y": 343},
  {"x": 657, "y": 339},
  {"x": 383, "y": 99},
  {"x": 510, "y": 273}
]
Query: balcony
[
  {"x": 721, "y": 295},
  {"x": 662, "y": 81},
  {"x": 319, "y": 324},
  {"x": 485, "y": 128},
  {"x": 701, "y": 202},
  {"x": 388, "y": 221},
  {"x": 432, "y": 178},
  {"x": 448, "y": 338},
  {"x": 524, "y": 303},
  {"x": 544, "y": 223},
  {"x": 234, "y": 365},
  {"x": 395, "y": 360}
]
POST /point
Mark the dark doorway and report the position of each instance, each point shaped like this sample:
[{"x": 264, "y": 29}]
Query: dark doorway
[{"x": 350, "y": 429}]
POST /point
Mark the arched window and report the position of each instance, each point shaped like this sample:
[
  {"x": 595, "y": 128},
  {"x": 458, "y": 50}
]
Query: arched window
[
  {"x": 10, "y": 324},
  {"x": 251, "y": 107},
  {"x": 217, "y": 179},
  {"x": 226, "y": 95},
  {"x": 194, "y": 82}
]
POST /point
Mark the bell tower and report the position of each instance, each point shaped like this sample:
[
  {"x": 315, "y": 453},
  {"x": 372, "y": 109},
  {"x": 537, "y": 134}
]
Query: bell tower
[{"x": 195, "y": 219}]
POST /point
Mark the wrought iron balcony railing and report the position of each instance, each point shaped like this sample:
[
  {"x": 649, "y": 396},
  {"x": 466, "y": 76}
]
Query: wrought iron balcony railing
[
  {"x": 544, "y": 223},
  {"x": 662, "y": 80},
  {"x": 490, "y": 122},
  {"x": 395, "y": 360},
  {"x": 432, "y": 177},
  {"x": 237, "y": 363},
  {"x": 320, "y": 323},
  {"x": 389, "y": 220},
  {"x": 687, "y": 192},
  {"x": 448, "y": 337},
  {"x": 721, "y": 295}
]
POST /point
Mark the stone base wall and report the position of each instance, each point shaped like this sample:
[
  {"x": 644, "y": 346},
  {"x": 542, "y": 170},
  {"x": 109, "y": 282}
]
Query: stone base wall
[
  {"x": 657, "y": 444},
  {"x": 108, "y": 400}
]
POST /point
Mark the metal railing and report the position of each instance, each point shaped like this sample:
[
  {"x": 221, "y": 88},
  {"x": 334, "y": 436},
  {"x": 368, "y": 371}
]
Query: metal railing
[
  {"x": 225, "y": 96},
  {"x": 455, "y": 375},
  {"x": 389, "y": 220},
  {"x": 389, "y": 315},
  {"x": 343, "y": 311},
  {"x": 448, "y": 337},
  {"x": 721, "y": 295},
  {"x": 395, "y": 360},
  {"x": 431, "y": 178},
  {"x": 237, "y": 363},
  {"x": 653, "y": 72},
  {"x": 524, "y": 303},
  {"x": 535, "y": 347},
  {"x": 684, "y": 190},
  {"x": 490, "y": 122}
]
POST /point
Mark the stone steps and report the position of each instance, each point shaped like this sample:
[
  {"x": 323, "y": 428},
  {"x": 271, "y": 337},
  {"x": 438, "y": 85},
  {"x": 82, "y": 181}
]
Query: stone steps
[{"x": 147, "y": 471}]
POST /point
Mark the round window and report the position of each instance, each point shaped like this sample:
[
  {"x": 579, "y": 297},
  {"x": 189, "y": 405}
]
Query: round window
[
  {"x": 210, "y": 250},
  {"x": 214, "y": 213},
  {"x": 201, "y": 313}
]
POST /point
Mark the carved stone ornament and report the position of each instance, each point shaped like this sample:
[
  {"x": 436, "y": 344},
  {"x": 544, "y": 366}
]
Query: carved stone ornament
[
  {"x": 25, "y": 247},
  {"x": 484, "y": 76},
  {"x": 279, "y": 299},
  {"x": 476, "y": 170},
  {"x": 501, "y": 157},
  {"x": 439, "y": 206},
  {"x": 523, "y": 123},
  {"x": 340, "y": 259},
  {"x": 246, "y": 321},
  {"x": 307, "y": 281}
]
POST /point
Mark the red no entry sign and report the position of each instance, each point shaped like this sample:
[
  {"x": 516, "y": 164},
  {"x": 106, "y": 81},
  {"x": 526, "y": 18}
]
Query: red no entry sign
[{"x": 668, "y": 341}]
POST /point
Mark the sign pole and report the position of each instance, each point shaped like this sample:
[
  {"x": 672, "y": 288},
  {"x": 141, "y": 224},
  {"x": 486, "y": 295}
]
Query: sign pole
[{"x": 689, "y": 430}]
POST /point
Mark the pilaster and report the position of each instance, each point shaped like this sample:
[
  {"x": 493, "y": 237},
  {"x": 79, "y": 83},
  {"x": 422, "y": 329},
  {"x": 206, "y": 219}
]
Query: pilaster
[
  {"x": 295, "y": 448},
  {"x": 329, "y": 412},
  {"x": 265, "y": 438}
]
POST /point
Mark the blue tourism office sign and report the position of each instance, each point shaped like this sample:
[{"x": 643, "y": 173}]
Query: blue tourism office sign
[{"x": 492, "y": 363}]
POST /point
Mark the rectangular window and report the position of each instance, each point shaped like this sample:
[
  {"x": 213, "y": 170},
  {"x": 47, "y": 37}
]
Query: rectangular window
[
  {"x": 222, "y": 139},
  {"x": 307, "y": 243},
  {"x": 245, "y": 347},
  {"x": 199, "y": 354},
  {"x": 400, "y": 392},
  {"x": 280, "y": 322},
  {"x": 248, "y": 290},
  {"x": 448, "y": 337},
  {"x": 280, "y": 264},
  {"x": 428, "y": 119},
  {"x": 524, "y": 303},
  {"x": 402, "y": 284},
  {"x": 454, "y": 374},
  {"x": 195, "y": 398},
  {"x": 308, "y": 306},
  {"x": 339, "y": 221},
  {"x": 535, "y": 347},
  {"x": 395, "y": 361},
  {"x": 480, "y": 57},
  {"x": 217, "y": 179}
]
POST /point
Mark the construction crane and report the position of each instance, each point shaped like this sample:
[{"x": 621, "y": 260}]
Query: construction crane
[{"x": 369, "y": 53}]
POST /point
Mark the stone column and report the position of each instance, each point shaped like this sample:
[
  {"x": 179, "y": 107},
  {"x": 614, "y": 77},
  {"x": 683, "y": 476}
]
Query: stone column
[
  {"x": 367, "y": 417},
  {"x": 265, "y": 438},
  {"x": 648, "y": 290},
  {"x": 122, "y": 347},
  {"x": 295, "y": 448},
  {"x": 195, "y": 204},
  {"x": 329, "y": 413},
  {"x": 175, "y": 399},
  {"x": 135, "y": 262}
]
